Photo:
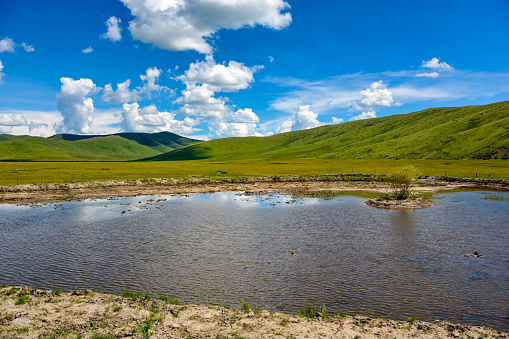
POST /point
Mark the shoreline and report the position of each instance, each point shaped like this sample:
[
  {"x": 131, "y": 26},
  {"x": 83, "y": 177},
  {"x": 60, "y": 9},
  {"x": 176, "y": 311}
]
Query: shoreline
[
  {"x": 47, "y": 193},
  {"x": 26, "y": 312}
]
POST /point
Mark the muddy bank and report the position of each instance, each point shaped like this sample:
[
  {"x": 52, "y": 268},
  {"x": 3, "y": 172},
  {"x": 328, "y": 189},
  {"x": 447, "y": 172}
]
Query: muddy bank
[
  {"x": 30, "y": 313},
  {"x": 291, "y": 184}
]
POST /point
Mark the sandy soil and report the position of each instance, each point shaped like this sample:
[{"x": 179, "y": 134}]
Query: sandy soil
[
  {"x": 22, "y": 194},
  {"x": 30, "y": 313}
]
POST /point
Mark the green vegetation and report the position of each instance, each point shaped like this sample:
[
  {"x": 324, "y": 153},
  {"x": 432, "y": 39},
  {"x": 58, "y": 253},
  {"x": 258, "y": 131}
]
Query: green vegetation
[
  {"x": 42, "y": 173},
  {"x": 313, "y": 312},
  {"x": 401, "y": 180},
  {"x": 470, "y": 132},
  {"x": 168, "y": 301},
  {"x": 69, "y": 147}
]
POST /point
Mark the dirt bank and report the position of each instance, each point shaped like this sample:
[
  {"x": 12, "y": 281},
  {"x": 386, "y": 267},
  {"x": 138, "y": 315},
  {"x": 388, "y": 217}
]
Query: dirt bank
[
  {"x": 292, "y": 184},
  {"x": 30, "y": 313}
]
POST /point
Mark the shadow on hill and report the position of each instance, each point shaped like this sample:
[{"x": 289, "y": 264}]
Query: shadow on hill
[{"x": 194, "y": 152}]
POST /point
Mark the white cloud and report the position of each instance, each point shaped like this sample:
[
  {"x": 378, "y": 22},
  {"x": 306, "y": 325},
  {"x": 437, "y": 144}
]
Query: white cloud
[
  {"x": 336, "y": 121},
  {"x": 12, "y": 120},
  {"x": 229, "y": 78},
  {"x": 223, "y": 129},
  {"x": 88, "y": 50},
  {"x": 437, "y": 65},
  {"x": 124, "y": 95},
  {"x": 271, "y": 59},
  {"x": 180, "y": 25},
  {"x": 121, "y": 95},
  {"x": 17, "y": 123},
  {"x": 377, "y": 95},
  {"x": 27, "y": 48},
  {"x": 285, "y": 127},
  {"x": 428, "y": 75},
  {"x": 75, "y": 106},
  {"x": 305, "y": 118},
  {"x": 7, "y": 45},
  {"x": 150, "y": 120},
  {"x": 1, "y": 73},
  {"x": 113, "y": 32},
  {"x": 364, "y": 115}
]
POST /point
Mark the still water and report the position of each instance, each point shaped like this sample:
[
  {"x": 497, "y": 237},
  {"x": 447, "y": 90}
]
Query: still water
[{"x": 273, "y": 251}]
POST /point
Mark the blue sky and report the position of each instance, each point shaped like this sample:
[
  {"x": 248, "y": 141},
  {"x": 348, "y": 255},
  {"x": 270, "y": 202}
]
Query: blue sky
[{"x": 219, "y": 68}]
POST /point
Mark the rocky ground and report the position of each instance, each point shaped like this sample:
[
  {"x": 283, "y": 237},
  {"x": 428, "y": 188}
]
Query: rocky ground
[
  {"x": 411, "y": 203},
  {"x": 29, "y": 313}
]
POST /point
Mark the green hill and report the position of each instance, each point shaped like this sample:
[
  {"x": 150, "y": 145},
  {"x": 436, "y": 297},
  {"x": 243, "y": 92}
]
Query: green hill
[
  {"x": 470, "y": 132},
  {"x": 70, "y": 147}
]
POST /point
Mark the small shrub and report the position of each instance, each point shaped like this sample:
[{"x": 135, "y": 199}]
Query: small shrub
[
  {"x": 117, "y": 308},
  {"x": 401, "y": 181},
  {"x": 245, "y": 307},
  {"x": 57, "y": 291}
]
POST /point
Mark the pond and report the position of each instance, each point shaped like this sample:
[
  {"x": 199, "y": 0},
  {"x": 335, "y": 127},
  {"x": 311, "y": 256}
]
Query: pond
[{"x": 273, "y": 251}]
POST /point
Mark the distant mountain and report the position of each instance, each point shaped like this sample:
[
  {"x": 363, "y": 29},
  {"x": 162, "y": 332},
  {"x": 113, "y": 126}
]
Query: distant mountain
[
  {"x": 470, "y": 132},
  {"x": 71, "y": 147}
]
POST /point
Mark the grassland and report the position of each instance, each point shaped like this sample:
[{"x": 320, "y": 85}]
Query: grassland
[
  {"x": 68, "y": 172},
  {"x": 452, "y": 133},
  {"x": 69, "y": 147}
]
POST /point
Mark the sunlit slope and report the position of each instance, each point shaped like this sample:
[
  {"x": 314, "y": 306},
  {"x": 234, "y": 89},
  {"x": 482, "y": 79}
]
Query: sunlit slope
[
  {"x": 470, "y": 132},
  {"x": 70, "y": 147}
]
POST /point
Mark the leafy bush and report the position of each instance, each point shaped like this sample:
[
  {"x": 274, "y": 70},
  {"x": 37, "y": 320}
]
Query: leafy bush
[{"x": 401, "y": 181}]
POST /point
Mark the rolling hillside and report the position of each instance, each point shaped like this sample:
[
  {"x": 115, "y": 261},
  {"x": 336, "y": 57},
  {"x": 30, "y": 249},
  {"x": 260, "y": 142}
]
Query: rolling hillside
[
  {"x": 70, "y": 147},
  {"x": 470, "y": 132}
]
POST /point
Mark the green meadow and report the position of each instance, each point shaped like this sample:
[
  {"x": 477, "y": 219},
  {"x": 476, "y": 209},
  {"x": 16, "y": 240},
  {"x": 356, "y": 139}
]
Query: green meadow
[{"x": 68, "y": 172}]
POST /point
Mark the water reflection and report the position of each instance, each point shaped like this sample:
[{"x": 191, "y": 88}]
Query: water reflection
[{"x": 273, "y": 251}]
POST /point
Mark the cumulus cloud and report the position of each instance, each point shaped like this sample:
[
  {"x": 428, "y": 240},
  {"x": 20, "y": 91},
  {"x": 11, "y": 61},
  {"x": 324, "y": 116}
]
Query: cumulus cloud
[
  {"x": 8, "y": 45},
  {"x": 113, "y": 32},
  {"x": 124, "y": 95},
  {"x": 149, "y": 82},
  {"x": 336, "y": 121},
  {"x": 231, "y": 78},
  {"x": 377, "y": 95},
  {"x": 75, "y": 106},
  {"x": 437, "y": 65},
  {"x": 271, "y": 59},
  {"x": 305, "y": 118},
  {"x": 180, "y": 25},
  {"x": 150, "y": 120},
  {"x": 12, "y": 120},
  {"x": 364, "y": 115},
  {"x": 121, "y": 95},
  {"x": 428, "y": 75},
  {"x": 88, "y": 50}
]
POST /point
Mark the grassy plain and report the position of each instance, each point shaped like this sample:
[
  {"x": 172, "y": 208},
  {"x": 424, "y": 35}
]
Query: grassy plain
[{"x": 13, "y": 173}]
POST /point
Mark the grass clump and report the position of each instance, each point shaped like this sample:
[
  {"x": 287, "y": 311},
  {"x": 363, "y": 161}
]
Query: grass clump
[
  {"x": 22, "y": 300},
  {"x": 168, "y": 301},
  {"x": 313, "y": 312}
]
